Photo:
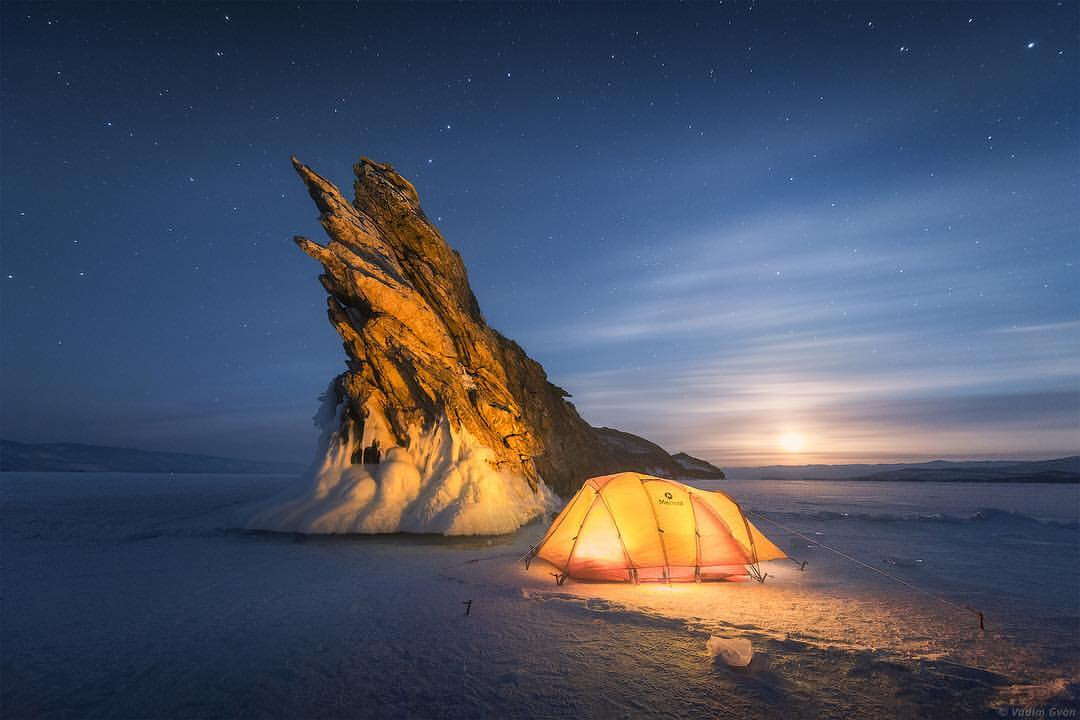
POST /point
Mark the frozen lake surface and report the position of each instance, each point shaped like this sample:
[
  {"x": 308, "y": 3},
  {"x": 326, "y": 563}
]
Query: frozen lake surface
[{"x": 135, "y": 596}]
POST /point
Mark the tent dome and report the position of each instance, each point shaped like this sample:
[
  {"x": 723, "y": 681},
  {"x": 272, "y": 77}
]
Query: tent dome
[{"x": 633, "y": 528}]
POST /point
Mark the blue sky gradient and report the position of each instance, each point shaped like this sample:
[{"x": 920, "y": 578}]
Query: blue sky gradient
[{"x": 713, "y": 224}]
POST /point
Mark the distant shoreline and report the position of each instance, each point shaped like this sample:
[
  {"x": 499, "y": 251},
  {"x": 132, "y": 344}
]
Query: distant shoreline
[
  {"x": 872, "y": 479},
  {"x": 1055, "y": 471},
  {"x": 83, "y": 458},
  {"x": 80, "y": 457}
]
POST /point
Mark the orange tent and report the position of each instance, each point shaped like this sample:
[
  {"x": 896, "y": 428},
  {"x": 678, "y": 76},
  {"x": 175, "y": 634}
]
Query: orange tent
[{"x": 631, "y": 527}]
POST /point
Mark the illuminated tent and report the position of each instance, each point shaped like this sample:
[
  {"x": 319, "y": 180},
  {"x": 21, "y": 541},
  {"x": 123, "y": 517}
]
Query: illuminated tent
[{"x": 634, "y": 528}]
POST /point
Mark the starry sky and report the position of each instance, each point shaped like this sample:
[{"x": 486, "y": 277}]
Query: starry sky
[{"x": 754, "y": 232}]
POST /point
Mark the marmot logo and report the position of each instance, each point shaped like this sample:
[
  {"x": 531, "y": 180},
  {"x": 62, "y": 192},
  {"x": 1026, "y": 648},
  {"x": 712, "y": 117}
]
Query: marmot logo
[{"x": 669, "y": 499}]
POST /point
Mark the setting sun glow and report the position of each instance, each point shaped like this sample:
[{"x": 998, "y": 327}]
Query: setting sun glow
[{"x": 792, "y": 442}]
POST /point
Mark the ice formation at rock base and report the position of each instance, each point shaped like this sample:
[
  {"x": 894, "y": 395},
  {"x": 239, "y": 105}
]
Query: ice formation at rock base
[{"x": 443, "y": 482}]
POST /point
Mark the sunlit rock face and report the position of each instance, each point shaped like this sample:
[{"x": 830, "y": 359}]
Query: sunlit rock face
[{"x": 439, "y": 424}]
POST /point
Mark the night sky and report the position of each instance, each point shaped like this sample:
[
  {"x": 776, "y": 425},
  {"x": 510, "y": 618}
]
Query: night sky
[{"x": 728, "y": 228}]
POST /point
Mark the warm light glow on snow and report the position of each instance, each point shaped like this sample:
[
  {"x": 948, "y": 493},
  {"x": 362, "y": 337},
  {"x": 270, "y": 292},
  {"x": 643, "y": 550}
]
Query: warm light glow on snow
[
  {"x": 679, "y": 588},
  {"x": 792, "y": 442}
]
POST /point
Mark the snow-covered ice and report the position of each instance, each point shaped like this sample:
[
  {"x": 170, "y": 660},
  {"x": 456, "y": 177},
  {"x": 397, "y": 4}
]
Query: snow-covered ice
[{"x": 139, "y": 596}]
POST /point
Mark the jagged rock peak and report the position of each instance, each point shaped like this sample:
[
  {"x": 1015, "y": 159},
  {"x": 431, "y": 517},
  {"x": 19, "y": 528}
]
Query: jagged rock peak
[{"x": 439, "y": 422}]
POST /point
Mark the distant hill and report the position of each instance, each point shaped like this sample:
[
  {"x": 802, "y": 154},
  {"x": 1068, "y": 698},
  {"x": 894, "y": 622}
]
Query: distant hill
[
  {"x": 654, "y": 459},
  {"x": 696, "y": 467},
  {"x": 76, "y": 457},
  {"x": 1059, "y": 470}
]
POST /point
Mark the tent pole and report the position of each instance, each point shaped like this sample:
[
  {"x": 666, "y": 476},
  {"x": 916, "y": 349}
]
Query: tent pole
[
  {"x": 656, "y": 523},
  {"x": 618, "y": 533}
]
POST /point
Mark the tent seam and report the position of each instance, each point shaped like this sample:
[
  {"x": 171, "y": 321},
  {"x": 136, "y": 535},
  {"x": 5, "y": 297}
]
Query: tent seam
[
  {"x": 631, "y": 565},
  {"x": 697, "y": 535},
  {"x": 565, "y": 512},
  {"x": 656, "y": 522},
  {"x": 573, "y": 547},
  {"x": 716, "y": 516},
  {"x": 746, "y": 524}
]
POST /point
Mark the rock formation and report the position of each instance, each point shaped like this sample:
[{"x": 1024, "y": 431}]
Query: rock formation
[{"x": 439, "y": 424}]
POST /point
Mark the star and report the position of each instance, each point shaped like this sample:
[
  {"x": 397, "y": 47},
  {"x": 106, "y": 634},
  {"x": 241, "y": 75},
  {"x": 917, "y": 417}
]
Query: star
[{"x": 1031, "y": 45}]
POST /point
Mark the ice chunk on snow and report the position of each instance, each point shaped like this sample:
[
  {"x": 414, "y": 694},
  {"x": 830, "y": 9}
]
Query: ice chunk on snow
[
  {"x": 443, "y": 482},
  {"x": 737, "y": 652}
]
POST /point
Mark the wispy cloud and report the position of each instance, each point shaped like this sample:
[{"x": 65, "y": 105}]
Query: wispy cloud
[
  {"x": 1067, "y": 326},
  {"x": 886, "y": 328}
]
